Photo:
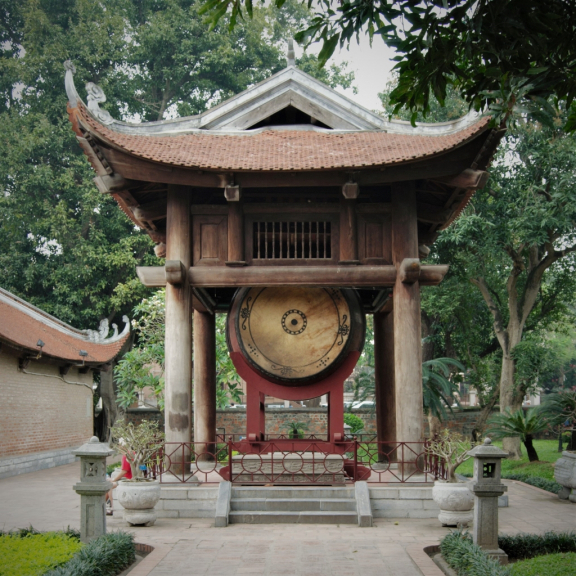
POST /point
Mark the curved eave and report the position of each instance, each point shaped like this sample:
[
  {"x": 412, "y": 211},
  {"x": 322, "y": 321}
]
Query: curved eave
[{"x": 23, "y": 325}]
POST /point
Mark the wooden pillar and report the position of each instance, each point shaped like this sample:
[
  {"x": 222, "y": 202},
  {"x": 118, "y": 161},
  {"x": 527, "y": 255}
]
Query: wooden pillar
[
  {"x": 204, "y": 382},
  {"x": 407, "y": 330},
  {"x": 348, "y": 225},
  {"x": 235, "y": 226},
  {"x": 385, "y": 391},
  {"x": 178, "y": 342}
]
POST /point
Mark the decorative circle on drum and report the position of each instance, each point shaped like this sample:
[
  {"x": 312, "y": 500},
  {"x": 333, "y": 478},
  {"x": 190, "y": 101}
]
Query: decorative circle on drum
[{"x": 296, "y": 335}]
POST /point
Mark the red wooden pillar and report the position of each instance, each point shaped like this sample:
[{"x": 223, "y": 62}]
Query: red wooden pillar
[
  {"x": 255, "y": 413},
  {"x": 385, "y": 390},
  {"x": 407, "y": 330},
  {"x": 178, "y": 343},
  {"x": 204, "y": 381}
]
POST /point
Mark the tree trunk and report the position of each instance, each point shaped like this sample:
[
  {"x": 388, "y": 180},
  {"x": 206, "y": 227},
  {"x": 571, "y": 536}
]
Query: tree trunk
[
  {"x": 434, "y": 426},
  {"x": 560, "y": 441},
  {"x": 532, "y": 455},
  {"x": 509, "y": 399}
]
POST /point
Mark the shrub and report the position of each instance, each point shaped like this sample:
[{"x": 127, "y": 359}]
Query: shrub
[
  {"x": 27, "y": 552},
  {"x": 108, "y": 555},
  {"x": 467, "y": 558},
  {"x": 355, "y": 422},
  {"x": 523, "y": 546},
  {"x": 550, "y": 565},
  {"x": 544, "y": 483}
]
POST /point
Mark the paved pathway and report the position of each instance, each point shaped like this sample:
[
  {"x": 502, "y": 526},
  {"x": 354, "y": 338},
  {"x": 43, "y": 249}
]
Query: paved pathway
[{"x": 46, "y": 501}]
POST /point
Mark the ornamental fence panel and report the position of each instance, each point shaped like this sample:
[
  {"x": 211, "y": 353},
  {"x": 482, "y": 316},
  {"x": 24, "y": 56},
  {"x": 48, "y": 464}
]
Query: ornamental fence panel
[{"x": 297, "y": 461}]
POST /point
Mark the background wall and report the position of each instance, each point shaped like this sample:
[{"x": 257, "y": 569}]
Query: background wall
[{"x": 42, "y": 419}]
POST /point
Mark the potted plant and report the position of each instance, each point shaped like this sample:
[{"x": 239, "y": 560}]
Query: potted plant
[
  {"x": 297, "y": 429},
  {"x": 455, "y": 500},
  {"x": 138, "y": 495}
]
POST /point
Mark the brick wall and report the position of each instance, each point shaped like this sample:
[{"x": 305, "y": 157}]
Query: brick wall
[{"x": 42, "y": 413}]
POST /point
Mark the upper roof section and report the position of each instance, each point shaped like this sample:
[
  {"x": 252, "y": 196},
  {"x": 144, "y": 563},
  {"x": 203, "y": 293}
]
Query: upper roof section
[
  {"x": 320, "y": 108},
  {"x": 23, "y": 326}
]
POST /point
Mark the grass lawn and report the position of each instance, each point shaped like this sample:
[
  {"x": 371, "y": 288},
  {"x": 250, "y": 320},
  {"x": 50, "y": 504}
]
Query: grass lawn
[
  {"x": 547, "y": 451},
  {"x": 549, "y": 565}
]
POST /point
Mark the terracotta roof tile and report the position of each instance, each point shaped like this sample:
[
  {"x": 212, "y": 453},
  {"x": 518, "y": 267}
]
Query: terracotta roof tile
[
  {"x": 283, "y": 149},
  {"x": 23, "y": 328}
]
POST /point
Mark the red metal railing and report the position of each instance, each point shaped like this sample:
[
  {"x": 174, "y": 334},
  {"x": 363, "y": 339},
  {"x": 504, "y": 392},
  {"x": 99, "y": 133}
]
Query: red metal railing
[{"x": 306, "y": 461}]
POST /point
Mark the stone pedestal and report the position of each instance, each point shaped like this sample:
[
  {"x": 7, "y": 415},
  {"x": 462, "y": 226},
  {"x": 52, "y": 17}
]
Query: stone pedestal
[
  {"x": 487, "y": 487},
  {"x": 92, "y": 488}
]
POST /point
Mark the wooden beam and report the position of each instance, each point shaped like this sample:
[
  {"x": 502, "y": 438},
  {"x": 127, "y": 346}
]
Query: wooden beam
[
  {"x": 202, "y": 301},
  {"x": 175, "y": 272},
  {"x": 432, "y": 214},
  {"x": 328, "y": 276},
  {"x": 409, "y": 270},
  {"x": 108, "y": 183},
  {"x": 468, "y": 178},
  {"x": 348, "y": 232}
]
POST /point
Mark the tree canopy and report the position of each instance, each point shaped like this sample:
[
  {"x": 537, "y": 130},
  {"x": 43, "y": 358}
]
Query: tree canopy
[
  {"x": 64, "y": 246},
  {"x": 510, "y": 54}
]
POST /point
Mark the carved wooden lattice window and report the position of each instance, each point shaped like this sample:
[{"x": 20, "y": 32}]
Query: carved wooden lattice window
[{"x": 291, "y": 240}]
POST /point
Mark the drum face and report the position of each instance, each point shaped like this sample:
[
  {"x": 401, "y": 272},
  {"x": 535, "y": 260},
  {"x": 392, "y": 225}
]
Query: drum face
[{"x": 293, "y": 334}]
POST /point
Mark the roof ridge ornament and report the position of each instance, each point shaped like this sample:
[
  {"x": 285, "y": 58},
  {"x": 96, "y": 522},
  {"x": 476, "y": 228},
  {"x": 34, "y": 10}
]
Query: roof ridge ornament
[
  {"x": 69, "y": 84},
  {"x": 101, "y": 335},
  {"x": 95, "y": 97},
  {"x": 291, "y": 56}
]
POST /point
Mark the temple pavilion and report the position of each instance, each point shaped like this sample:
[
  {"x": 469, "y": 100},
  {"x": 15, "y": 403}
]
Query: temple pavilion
[{"x": 287, "y": 184}]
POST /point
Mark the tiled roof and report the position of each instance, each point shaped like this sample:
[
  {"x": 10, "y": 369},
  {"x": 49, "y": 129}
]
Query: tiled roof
[
  {"x": 278, "y": 150},
  {"x": 22, "y": 325}
]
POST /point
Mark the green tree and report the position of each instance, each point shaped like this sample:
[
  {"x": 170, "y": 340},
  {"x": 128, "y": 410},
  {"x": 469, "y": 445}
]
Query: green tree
[
  {"x": 508, "y": 53},
  {"x": 143, "y": 366},
  {"x": 516, "y": 244},
  {"x": 64, "y": 246}
]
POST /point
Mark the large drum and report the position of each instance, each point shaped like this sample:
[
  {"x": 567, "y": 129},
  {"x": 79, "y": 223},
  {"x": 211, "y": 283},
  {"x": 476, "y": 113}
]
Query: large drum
[{"x": 294, "y": 335}]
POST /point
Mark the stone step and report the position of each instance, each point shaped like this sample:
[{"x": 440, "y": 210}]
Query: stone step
[
  {"x": 307, "y": 517},
  {"x": 320, "y": 492},
  {"x": 293, "y": 504}
]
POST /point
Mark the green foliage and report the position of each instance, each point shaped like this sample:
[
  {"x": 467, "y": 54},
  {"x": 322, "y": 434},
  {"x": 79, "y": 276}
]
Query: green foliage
[
  {"x": 512, "y": 54},
  {"x": 523, "y": 546},
  {"x": 296, "y": 429},
  {"x": 32, "y": 553},
  {"x": 143, "y": 366},
  {"x": 519, "y": 424},
  {"x": 439, "y": 386},
  {"x": 468, "y": 559},
  {"x": 64, "y": 246},
  {"x": 544, "y": 468},
  {"x": 107, "y": 555},
  {"x": 139, "y": 444},
  {"x": 355, "y": 422},
  {"x": 549, "y": 565}
]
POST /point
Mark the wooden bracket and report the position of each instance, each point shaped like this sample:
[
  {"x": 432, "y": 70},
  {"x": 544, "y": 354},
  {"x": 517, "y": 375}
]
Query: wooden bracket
[
  {"x": 233, "y": 193},
  {"x": 202, "y": 301},
  {"x": 23, "y": 363},
  {"x": 350, "y": 190},
  {"x": 64, "y": 369},
  {"x": 175, "y": 272},
  {"x": 409, "y": 271},
  {"x": 423, "y": 251},
  {"x": 108, "y": 183}
]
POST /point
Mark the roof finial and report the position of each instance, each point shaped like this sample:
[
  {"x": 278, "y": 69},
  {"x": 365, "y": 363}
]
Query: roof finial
[{"x": 291, "y": 56}]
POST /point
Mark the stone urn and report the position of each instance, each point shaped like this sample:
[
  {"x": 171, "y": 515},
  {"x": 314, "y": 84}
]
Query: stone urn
[
  {"x": 139, "y": 498},
  {"x": 565, "y": 475},
  {"x": 456, "y": 503}
]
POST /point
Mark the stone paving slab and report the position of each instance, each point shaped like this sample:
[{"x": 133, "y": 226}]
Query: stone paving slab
[{"x": 393, "y": 547}]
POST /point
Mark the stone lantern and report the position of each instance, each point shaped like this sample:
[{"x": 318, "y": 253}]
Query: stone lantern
[
  {"x": 487, "y": 486},
  {"x": 92, "y": 488}
]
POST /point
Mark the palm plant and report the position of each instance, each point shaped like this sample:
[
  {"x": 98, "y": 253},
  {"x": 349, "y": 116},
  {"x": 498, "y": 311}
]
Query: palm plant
[
  {"x": 297, "y": 429},
  {"x": 560, "y": 410},
  {"x": 519, "y": 424}
]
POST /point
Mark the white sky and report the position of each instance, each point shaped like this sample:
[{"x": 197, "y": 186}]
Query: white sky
[{"x": 371, "y": 66}]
